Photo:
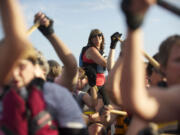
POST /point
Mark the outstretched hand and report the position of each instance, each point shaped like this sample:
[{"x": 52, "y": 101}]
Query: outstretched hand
[{"x": 46, "y": 24}]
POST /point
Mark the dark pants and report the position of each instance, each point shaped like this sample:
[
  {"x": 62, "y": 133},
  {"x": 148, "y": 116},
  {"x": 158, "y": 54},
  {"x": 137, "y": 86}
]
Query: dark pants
[{"x": 103, "y": 93}]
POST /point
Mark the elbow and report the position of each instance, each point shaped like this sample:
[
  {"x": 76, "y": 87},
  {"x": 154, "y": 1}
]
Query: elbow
[
  {"x": 19, "y": 48},
  {"x": 74, "y": 68},
  {"x": 102, "y": 63},
  {"x": 71, "y": 66},
  {"x": 73, "y": 61},
  {"x": 105, "y": 64}
]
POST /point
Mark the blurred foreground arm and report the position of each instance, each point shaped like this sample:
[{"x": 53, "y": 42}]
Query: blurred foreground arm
[
  {"x": 15, "y": 40},
  {"x": 151, "y": 105}
]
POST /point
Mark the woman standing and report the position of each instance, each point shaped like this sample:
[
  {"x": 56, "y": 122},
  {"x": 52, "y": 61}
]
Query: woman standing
[{"x": 92, "y": 57}]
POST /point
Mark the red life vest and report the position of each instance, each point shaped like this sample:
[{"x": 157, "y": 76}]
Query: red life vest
[
  {"x": 27, "y": 117},
  {"x": 14, "y": 114},
  {"x": 100, "y": 77}
]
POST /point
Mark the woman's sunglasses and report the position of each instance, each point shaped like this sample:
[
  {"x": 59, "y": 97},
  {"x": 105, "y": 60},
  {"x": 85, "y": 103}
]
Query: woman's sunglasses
[{"x": 99, "y": 35}]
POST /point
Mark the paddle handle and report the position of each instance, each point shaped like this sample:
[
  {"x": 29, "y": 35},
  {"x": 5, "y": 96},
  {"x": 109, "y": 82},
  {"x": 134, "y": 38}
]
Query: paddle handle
[
  {"x": 118, "y": 112},
  {"x": 33, "y": 28}
]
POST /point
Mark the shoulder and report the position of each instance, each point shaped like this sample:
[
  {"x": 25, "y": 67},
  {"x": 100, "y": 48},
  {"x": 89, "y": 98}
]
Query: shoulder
[
  {"x": 55, "y": 94},
  {"x": 92, "y": 51},
  {"x": 55, "y": 89},
  {"x": 92, "y": 48}
]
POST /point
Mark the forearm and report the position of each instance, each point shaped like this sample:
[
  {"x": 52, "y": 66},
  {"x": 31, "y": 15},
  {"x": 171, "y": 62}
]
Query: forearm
[
  {"x": 113, "y": 80},
  {"x": 134, "y": 94},
  {"x": 15, "y": 39},
  {"x": 15, "y": 42},
  {"x": 69, "y": 73},
  {"x": 114, "y": 40},
  {"x": 133, "y": 87},
  {"x": 110, "y": 60},
  {"x": 12, "y": 19},
  {"x": 63, "y": 52}
]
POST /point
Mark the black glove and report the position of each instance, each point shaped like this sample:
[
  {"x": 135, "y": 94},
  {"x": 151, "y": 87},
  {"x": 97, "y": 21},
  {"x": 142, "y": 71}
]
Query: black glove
[
  {"x": 114, "y": 39},
  {"x": 133, "y": 21},
  {"x": 91, "y": 74},
  {"x": 46, "y": 31}
]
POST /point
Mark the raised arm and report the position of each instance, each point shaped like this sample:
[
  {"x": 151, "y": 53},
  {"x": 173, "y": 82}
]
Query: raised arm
[
  {"x": 69, "y": 75},
  {"x": 110, "y": 60},
  {"x": 114, "y": 79},
  {"x": 114, "y": 39},
  {"x": 15, "y": 40},
  {"x": 112, "y": 83},
  {"x": 152, "y": 105},
  {"x": 133, "y": 87}
]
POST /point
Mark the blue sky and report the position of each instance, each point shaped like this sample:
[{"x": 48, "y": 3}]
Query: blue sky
[{"x": 74, "y": 19}]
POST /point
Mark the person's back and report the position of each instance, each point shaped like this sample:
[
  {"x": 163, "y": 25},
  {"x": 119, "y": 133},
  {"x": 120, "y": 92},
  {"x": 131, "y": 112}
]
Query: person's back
[{"x": 59, "y": 97}]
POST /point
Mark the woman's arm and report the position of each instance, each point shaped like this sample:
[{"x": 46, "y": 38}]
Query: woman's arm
[
  {"x": 110, "y": 60},
  {"x": 93, "y": 54},
  {"x": 69, "y": 74},
  {"x": 114, "y": 40}
]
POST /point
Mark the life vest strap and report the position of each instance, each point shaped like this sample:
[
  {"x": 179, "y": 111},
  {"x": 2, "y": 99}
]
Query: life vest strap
[{"x": 39, "y": 121}]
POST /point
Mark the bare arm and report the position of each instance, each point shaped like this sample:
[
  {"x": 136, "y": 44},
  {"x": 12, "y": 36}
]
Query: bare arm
[
  {"x": 153, "y": 105},
  {"x": 92, "y": 53},
  {"x": 114, "y": 40},
  {"x": 15, "y": 41},
  {"x": 113, "y": 80},
  {"x": 114, "y": 77},
  {"x": 136, "y": 125},
  {"x": 91, "y": 101},
  {"x": 110, "y": 60},
  {"x": 134, "y": 93},
  {"x": 69, "y": 75}
]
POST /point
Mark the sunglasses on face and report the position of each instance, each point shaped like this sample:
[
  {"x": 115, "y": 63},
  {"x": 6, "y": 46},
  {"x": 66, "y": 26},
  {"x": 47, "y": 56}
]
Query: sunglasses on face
[{"x": 99, "y": 35}]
